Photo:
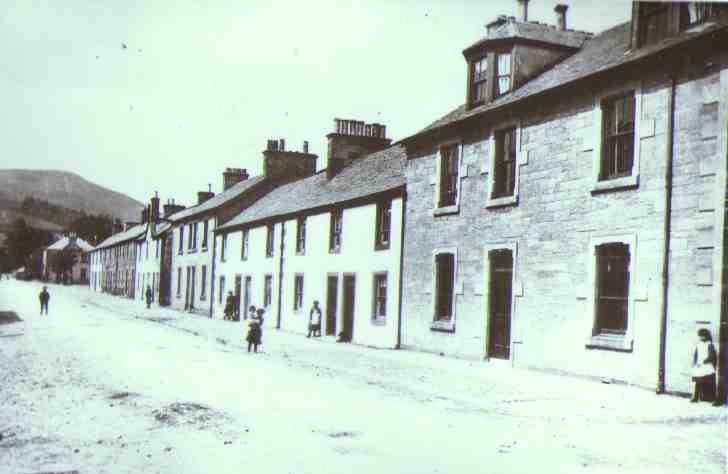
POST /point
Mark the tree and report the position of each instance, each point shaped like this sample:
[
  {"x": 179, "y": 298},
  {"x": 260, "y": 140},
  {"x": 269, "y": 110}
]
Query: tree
[
  {"x": 92, "y": 228},
  {"x": 22, "y": 241}
]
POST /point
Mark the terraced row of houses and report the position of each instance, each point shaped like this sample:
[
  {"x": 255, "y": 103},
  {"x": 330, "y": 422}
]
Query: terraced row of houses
[{"x": 569, "y": 216}]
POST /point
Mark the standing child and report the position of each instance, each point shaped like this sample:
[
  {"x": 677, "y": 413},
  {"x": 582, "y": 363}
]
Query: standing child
[
  {"x": 704, "y": 362},
  {"x": 314, "y": 320},
  {"x": 255, "y": 331},
  {"x": 44, "y": 298}
]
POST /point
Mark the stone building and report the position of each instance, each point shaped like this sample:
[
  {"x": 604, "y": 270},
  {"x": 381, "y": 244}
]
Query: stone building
[
  {"x": 335, "y": 237},
  {"x": 79, "y": 271},
  {"x": 191, "y": 279},
  {"x": 150, "y": 251},
  {"x": 570, "y": 215}
]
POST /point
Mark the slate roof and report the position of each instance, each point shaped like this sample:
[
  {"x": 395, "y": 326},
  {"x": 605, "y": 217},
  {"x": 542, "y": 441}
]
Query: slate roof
[
  {"x": 217, "y": 200},
  {"x": 376, "y": 173},
  {"x": 130, "y": 234},
  {"x": 65, "y": 242},
  {"x": 536, "y": 32},
  {"x": 601, "y": 53}
]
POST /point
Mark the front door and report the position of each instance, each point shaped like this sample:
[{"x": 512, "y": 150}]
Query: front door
[
  {"x": 332, "y": 288},
  {"x": 192, "y": 288},
  {"x": 246, "y": 296},
  {"x": 187, "y": 289},
  {"x": 349, "y": 298},
  {"x": 499, "y": 297},
  {"x": 238, "y": 286}
]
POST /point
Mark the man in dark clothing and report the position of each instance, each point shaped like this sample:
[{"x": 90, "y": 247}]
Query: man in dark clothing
[
  {"x": 314, "y": 320},
  {"x": 44, "y": 298},
  {"x": 148, "y": 294}
]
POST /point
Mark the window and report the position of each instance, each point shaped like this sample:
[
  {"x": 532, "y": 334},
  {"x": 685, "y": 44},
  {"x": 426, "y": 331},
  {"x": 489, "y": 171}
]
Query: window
[
  {"x": 301, "y": 235},
  {"x": 205, "y": 231},
  {"x": 444, "y": 286},
  {"x": 181, "y": 239},
  {"x": 269, "y": 241},
  {"x": 449, "y": 175},
  {"x": 222, "y": 290},
  {"x": 504, "y": 169},
  {"x": 190, "y": 237},
  {"x": 146, "y": 250},
  {"x": 203, "y": 284},
  {"x": 268, "y": 291},
  {"x": 612, "y": 280},
  {"x": 618, "y": 125},
  {"x": 502, "y": 73},
  {"x": 156, "y": 249},
  {"x": 179, "y": 282},
  {"x": 384, "y": 224},
  {"x": 479, "y": 80},
  {"x": 379, "y": 294},
  {"x": 223, "y": 248},
  {"x": 692, "y": 13},
  {"x": 335, "y": 226},
  {"x": 653, "y": 21},
  {"x": 244, "y": 249},
  {"x": 298, "y": 292}
]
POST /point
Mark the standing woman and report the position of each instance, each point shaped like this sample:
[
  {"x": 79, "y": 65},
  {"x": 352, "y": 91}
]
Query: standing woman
[
  {"x": 704, "y": 362},
  {"x": 255, "y": 331}
]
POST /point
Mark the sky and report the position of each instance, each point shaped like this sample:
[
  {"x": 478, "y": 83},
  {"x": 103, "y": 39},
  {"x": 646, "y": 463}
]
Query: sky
[{"x": 142, "y": 96}]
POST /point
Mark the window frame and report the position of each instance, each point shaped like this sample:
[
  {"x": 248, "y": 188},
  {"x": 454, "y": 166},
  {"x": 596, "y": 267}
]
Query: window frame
[
  {"x": 336, "y": 216},
  {"x": 384, "y": 208},
  {"x": 512, "y": 199},
  {"x": 497, "y": 76},
  {"x": 440, "y": 208},
  {"x": 267, "y": 290},
  {"x": 659, "y": 9},
  {"x": 377, "y": 317},
  {"x": 244, "y": 244},
  {"x": 203, "y": 283},
  {"x": 223, "y": 247},
  {"x": 301, "y": 235},
  {"x": 270, "y": 240},
  {"x": 298, "y": 292},
  {"x": 205, "y": 233},
  {"x": 478, "y": 79},
  {"x": 179, "y": 282},
  {"x": 181, "y": 246},
  {"x": 221, "y": 291},
  {"x": 630, "y": 181},
  {"x": 436, "y": 324},
  {"x": 612, "y": 341}
]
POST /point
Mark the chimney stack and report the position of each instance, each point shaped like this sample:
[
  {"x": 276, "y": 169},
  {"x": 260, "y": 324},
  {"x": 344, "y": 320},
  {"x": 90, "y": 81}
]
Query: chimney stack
[
  {"x": 232, "y": 176},
  {"x": 145, "y": 214},
  {"x": 282, "y": 164},
  {"x": 353, "y": 139},
  {"x": 305, "y": 147},
  {"x": 523, "y": 10},
  {"x": 495, "y": 24},
  {"x": 154, "y": 209},
  {"x": 170, "y": 208},
  {"x": 203, "y": 196},
  {"x": 560, "y": 10}
]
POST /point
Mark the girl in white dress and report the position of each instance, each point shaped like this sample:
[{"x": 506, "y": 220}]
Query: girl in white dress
[{"x": 705, "y": 359}]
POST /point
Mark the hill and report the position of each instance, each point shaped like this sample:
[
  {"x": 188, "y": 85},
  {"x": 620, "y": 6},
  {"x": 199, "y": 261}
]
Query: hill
[{"x": 67, "y": 190}]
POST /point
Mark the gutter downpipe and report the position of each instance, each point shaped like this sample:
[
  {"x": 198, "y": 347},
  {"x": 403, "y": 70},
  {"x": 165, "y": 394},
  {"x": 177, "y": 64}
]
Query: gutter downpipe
[
  {"x": 280, "y": 276},
  {"x": 666, "y": 236},
  {"x": 720, "y": 398},
  {"x": 398, "y": 345},
  {"x": 212, "y": 268}
]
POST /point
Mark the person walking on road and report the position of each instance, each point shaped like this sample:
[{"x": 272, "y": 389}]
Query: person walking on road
[
  {"x": 255, "y": 331},
  {"x": 44, "y": 298},
  {"x": 148, "y": 295},
  {"x": 704, "y": 361},
  {"x": 314, "y": 320}
]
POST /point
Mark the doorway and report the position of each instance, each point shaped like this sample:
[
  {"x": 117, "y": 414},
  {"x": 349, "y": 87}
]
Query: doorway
[
  {"x": 332, "y": 289},
  {"x": 187, "y": 290},
  {"x": 349, "y": 297},
  {"x": 192, "y": 288},
  {"x": 500, "y": 293},
  {"x": 238, "y": 287},
  {"x": 246, "y": 296}
]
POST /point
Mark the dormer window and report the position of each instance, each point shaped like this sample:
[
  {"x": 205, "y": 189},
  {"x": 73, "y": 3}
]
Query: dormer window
[
  {"x": 654, "y": 22},
  {"x": 479, "y": 80},
  {"x": 502, "y": 73},
  {"x": 692, "y": 13}
]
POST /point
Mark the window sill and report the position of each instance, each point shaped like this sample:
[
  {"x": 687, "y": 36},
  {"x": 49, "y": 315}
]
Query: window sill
[
  {"x": 379, "y": 321},
  {"x": 336, "y": 250},
  {"x": 381, "y": 246},
  {"x": 269, "y": 256},
  {"x": 446, "y": 210},
  {"x": 502, "y": 201},
  {"x": 204, "y": 248},
  {"x": 300, "y": 253},
  {"x": 442, "y": 326},
  {"x": 192, "y": 250},
  {"x": 615, "y": 184},
  {"x": 611, "y": 342}
]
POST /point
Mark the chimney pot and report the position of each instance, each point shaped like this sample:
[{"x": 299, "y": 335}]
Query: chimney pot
[
  {"x": 282, "y": 144},
  {"x": 523, "y": 10},
  {"x": 305, "y": 147},
  {"x": 560, "y": 10}
]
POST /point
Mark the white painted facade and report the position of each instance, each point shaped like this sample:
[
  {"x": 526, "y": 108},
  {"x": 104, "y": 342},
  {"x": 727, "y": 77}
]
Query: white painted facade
[
  {"x": 192, "y": 265},
  {"x": 357, "y": 258},
  {"x": 149, "y": 253}
]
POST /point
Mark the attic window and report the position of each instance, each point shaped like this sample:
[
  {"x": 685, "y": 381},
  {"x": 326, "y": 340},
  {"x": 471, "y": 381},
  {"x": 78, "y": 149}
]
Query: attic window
[
  {"x": 502, "y": 73},
  {"x": 654, "y": 24},
  {"x": 692, "y": 13},
  {"x": 479, "y": 79}
]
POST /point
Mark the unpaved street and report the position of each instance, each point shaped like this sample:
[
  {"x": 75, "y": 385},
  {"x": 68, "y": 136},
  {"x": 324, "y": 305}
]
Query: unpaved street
[{"x": 104, "y": 385}]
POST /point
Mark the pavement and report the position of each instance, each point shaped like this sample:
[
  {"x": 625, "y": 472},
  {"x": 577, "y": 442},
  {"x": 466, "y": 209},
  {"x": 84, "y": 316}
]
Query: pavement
[{"x": 104, "y": 384}]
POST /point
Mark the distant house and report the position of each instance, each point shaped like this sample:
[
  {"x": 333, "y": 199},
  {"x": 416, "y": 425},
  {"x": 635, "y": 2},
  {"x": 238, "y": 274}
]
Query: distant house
[
  {"x": 113, "y": 262},
  {"x": 52, "y": 255}
]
